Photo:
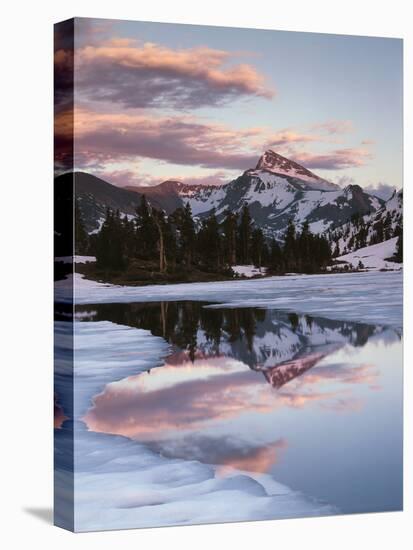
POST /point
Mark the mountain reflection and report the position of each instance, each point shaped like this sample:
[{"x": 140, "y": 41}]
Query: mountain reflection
[
  {"x": 260, "y": 338},
  {"x": 206, "y": 387}
]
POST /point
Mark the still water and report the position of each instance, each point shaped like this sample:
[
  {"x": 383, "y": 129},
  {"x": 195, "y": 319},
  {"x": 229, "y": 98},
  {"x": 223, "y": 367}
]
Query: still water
[{"x": 314, "y": 402}]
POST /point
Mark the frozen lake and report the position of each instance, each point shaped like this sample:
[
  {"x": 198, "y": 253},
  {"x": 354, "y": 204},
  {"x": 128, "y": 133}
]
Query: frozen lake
[
  {"x": 283, "y": 395},
  {"x": 375, "y": 297}
]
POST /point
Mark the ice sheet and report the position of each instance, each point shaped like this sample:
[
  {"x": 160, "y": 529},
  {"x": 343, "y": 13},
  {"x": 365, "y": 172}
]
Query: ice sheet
[{"x": 374, "y": 297}]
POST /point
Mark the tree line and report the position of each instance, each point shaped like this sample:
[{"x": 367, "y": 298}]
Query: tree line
[
  {"x": 360, "y": 233},
  {"x": 179, "y": 243}
]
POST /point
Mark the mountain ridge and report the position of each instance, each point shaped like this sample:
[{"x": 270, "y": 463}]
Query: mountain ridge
[{"x": 276, "y": 190}]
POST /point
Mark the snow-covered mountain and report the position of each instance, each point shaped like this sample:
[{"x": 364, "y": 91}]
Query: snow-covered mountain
[
  {"x": 277, "y": 164},
  {"x": 382, "y": 225},
  {"x": 276, "y": 190},
  {"x": 279, "y": 344}
]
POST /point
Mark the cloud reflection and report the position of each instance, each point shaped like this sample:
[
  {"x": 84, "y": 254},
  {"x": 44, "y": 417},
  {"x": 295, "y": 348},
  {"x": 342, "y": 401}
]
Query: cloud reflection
[
  {"x": 177, "y": 400},
  {"x": 234, "y": 382}
]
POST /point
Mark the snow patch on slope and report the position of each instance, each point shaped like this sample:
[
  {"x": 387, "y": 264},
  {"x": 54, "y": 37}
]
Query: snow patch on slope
[
  {"x": 270, "y": 190},
  {"x": 374, "y": 257},
  {"x": 249, "y": 270}
]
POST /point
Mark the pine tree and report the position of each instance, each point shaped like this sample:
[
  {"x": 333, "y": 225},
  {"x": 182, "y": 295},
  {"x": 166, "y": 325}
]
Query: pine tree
[
  {"x": 229, "y": 226},
  {"x": 276, "y": 259},
  {"x": 81, "y": 236},
  {"x": 209, "y": 243},
  {"x": 305, "y": 260},
  {"x": 187, "y": 234},
  {"x": 110, "y": 243},
  {"x": 159, "y": 220},
  {"x": 399, "y": 248},
  {"x": 398, "y": 230},
  {"x": 387, "y": 229},
  {"x": 146, "y": 231},
  {"x": 170, "y": 236},
  {"x": 379, "y": 231},
  {"x": 102, "y": 251},
  {"x": 257, "y": 247},
  {"x": 129, "y": 236},
  {"x": 290, "y": 249},
  {"x": 244, "y": 235}
]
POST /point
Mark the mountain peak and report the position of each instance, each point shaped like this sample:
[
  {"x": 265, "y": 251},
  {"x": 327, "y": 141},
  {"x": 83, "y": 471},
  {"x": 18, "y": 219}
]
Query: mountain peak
[{"x": 275, "y": 163}]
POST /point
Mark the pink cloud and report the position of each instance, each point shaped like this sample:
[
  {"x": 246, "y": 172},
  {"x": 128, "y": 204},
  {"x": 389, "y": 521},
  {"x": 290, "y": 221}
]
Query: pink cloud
[
  {"x": 259, "y": 459},
  {"x": 335, "y": 126},
  {"x": 128, "y": 178},
  {"x": 335, "y": 160},
  {"x": 285, "y": 137},
  {"x": 103, "y": 138},
  {"x": 217, "y": 178},
  {"x": 134, "y": 178},
  {"x": 137, "y": 74},
  {"x": 177, "y": 140}
]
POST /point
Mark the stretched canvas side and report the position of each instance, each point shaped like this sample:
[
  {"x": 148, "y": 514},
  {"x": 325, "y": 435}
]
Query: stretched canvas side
[{"x": 63, "y": 275}]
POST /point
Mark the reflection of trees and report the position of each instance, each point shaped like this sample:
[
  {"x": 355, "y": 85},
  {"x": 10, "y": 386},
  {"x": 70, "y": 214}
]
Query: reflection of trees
[
  {"x": 212, "y": 322},
  {"x": 294, "y": 320},
  {"x": 183, "y": 323},
  {"x": 178, "y": 322}
]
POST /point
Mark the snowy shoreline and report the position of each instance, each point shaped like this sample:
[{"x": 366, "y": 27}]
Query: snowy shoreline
[{"x": 370, "y": 297}]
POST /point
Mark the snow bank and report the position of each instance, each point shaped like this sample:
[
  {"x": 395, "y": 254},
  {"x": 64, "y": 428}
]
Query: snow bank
[
  {"x": 119, "y": 483},
  {"x": 373, "y": 257},
  {"x": 249, "y": 270},
  {"x": 75, "y": 259},
  {"x": 100, "y": 223}
]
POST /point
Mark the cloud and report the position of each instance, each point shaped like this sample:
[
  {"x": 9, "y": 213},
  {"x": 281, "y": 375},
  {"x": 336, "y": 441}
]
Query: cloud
[
  {"x": 122, "y": 138},
  {"x": 382, "y": 190},
  {"x": 339, "y": 159},
  {"x": 217, "y": 178},
  {"x": 343, "y": 373},
  {"x": 63, "y": 65},
  {"x": 128, "y": 178},
  {"x": 135, "y": 178},
  {"x": 136, "y": 75},
  {"x": 224, "y": 450},
  {"x": 178, "y": 400},
  {"x": 102, "y": 137},
  {"x": 344, "y": 180},
  {"x": 285, "y": 137},
  {"x": 335, "y": 126},
  {"x": 184, "y": 405}
]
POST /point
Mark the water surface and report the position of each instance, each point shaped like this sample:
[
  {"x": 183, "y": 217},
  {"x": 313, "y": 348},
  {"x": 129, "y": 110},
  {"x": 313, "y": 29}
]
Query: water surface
[{"x": 316, "y": 403}]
